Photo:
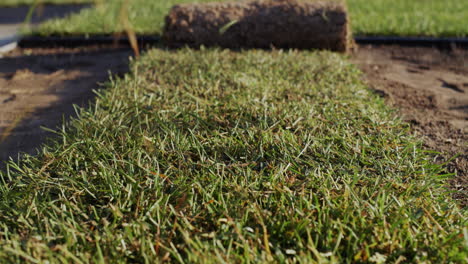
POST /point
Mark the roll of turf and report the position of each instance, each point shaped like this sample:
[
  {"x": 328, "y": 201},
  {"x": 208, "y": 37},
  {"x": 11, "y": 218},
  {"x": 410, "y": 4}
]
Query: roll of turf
[{"x": 260, "y": 24}]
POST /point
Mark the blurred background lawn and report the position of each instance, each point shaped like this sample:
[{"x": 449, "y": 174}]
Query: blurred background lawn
[
  {"x": 376, "y": 17},
  {"x": 30, "y": 2}
]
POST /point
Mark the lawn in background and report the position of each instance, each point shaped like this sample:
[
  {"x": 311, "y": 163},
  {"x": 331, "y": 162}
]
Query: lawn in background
[
  {"x": 205, "y": 156},
  {"x": 145, "y": 16},
  {"x": 30, "y": 2},
  {"x": 376, "y": 17},
  {"x": 409, "y": 17}
]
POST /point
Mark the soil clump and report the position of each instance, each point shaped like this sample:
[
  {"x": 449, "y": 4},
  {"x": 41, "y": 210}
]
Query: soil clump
[{"x": 260, "y": 24}]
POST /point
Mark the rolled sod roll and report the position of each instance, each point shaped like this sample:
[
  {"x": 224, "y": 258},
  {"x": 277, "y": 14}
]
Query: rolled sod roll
[{"x": 260, "y": 24}]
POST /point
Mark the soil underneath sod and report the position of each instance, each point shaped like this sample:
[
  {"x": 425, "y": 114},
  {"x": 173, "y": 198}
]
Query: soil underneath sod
[{"x": 429, "y": 87}]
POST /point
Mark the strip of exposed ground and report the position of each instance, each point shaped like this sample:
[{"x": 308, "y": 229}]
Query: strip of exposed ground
[{"x": 429, "y": 87}]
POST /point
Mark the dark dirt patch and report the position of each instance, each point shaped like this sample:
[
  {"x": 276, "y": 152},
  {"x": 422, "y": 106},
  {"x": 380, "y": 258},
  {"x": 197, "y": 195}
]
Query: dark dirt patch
[
  {"x": 429, "y": 87},
  {"x": 39, "y": 87}
]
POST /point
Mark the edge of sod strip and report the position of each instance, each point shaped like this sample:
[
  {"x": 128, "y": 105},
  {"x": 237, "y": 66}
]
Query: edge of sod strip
[
  {"x": 215, "y": 155},
  {"x": 444, "y": 42},
  {"x": 77, "y": 41}
]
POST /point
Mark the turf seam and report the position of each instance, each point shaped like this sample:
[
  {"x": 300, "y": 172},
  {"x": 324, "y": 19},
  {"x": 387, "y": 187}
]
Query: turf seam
[{"x": 77, "y": 41}]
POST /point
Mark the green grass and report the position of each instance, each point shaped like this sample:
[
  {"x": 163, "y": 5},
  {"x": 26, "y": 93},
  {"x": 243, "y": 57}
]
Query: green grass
[
  {"x": 219, "y": 156},
  {"x": 145, "y": 16},
  {"x": 376, "y": 17},
  {"x": 409, "y": 17}
]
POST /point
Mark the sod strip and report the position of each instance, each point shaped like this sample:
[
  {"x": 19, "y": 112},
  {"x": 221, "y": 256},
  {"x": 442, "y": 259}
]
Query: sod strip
[{"x": 221, "y": 156}]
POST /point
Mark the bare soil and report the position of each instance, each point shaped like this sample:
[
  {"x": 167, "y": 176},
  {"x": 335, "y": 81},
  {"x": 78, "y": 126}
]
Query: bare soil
[
  {"x": 429, "y": 87},
  {"x": 39, "y": 87}
]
